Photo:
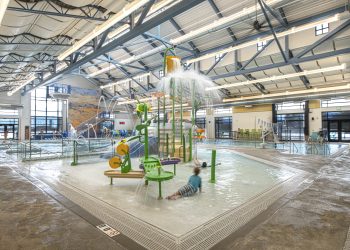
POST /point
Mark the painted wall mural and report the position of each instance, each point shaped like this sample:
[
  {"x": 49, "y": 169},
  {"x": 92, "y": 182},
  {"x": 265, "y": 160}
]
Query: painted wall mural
[{"x": 83, "y": 105}]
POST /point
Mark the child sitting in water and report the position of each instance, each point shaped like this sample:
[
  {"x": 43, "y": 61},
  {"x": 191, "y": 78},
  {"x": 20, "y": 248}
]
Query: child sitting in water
[{"x": 194, "y": 183}]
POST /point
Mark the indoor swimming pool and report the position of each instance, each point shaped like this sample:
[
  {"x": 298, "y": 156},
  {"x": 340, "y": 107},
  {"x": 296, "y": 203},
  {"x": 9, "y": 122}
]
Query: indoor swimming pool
[
  {"x": 294, "y": 147},
  {"x": 237, "y": 196}
]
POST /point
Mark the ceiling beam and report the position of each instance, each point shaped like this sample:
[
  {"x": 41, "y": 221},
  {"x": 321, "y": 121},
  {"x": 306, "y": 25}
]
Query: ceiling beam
[
  {"x": 268, "y": 32},
  {"x": 180, "y": 30},
  {"x": 146, "y": 26},
  {"x": 283, "y": 64}
]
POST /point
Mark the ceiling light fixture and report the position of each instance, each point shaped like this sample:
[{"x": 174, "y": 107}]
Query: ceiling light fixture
[
  {"x": 140, "y": 100},
  {"x": 279, "y": 77},
  {"x": 126, "y": 11},
  {"x": 99, "y": 72},
  {"x": 219, "y": 24},
  {"x": 290, "y": 93},
  {"x": 3, "y": 7},
  {"x": 124, "y": 81},
  {"x": 153, "y": 10},
  {"x": 266, "y": 38}
]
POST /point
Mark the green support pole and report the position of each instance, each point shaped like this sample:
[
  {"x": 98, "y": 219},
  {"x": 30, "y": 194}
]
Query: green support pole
[
  {"x": 167, "y": 145},
  {"x": 75, "y": 154},
  {"x": 190, "y": 141},
  {"x": 159, "y": 187},
  {"x": 164, "y": 118},
  {"x": 181, "y": 114},
  {"x": 173, "y": 115},
  {"x": 184, "y": 147},
  {"x": 192, "y": 102},
  {"x": 164, "y": 111},
  {"x": 146, "y": 133},
  {"x": 158, "y": 125},
  {"x": 213, "y": 163}
]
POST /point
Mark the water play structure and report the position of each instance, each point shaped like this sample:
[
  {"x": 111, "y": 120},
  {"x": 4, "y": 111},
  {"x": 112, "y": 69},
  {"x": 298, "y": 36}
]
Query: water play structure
[
  {"x": 152, "y": 166},
  {"x": 175, "y": 138}
]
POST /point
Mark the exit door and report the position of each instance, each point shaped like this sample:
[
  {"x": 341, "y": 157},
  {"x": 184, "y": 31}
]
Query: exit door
[
  {"x": 11, "y": 133},
  {"x": 339, "y": 130}
]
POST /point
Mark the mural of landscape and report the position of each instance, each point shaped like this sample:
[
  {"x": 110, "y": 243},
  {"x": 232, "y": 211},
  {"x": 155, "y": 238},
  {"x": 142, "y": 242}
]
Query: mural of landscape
[{"x": 83, "y": 105}]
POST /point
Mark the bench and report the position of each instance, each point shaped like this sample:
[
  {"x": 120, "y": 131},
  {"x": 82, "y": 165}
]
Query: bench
[{"x": 117, "y": 174}]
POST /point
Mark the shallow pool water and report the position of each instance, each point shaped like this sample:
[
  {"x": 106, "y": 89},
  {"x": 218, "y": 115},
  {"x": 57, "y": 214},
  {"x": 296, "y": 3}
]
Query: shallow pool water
[{"x": 238, "y": 179}]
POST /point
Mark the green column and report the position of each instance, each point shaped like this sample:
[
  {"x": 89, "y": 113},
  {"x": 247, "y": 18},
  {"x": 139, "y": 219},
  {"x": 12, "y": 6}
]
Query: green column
[
  {"x": 173, "y": 115},
  {"x": 193, "y": 102},
  {"x": 181, "y": 114},
  {"x": 159, "y": 187},
  {"x": 190, "y": 142},
  {"x": 184, "y": 148},
  {"x": 213, "y": 163},
  {"x": 158, "y": 124},
  {"x": 167, "y": 145},
  {"x": 75, "y": 154},
  {"x": 146, "y": 132}
]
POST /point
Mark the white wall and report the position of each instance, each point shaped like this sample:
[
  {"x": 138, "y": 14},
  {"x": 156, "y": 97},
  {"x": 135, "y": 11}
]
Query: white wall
[
  {"x": 250, "y": 120},
  {"x": 78, "y": 81},
  {"x": 24, "y": 115},
  {"x": 15, "y": 99},
  {"x": 129, "y": 120},
  {"x": 315, "y": 120}
]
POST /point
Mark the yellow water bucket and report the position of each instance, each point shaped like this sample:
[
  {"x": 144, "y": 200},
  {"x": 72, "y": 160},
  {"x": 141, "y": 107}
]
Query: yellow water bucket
[
  {"x": 122, "y": 149},
  {"x": 115, "y": 162},
  {"x": 173, "y": 63}
]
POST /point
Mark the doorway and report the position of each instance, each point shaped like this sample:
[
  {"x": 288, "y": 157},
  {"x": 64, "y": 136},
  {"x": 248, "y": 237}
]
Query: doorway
[
  {"x": 223, "y": 127},
  {"x": 336, "y": 126},
  {"x": 339, "y": 131},
  {"x": 10, "y": 131}
]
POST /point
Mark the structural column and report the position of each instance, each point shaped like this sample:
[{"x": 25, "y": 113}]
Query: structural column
[
  {"x": 210, "y": 124},
  {"x": 306, "y": 120},
  {"x": 24, "y": 117}
]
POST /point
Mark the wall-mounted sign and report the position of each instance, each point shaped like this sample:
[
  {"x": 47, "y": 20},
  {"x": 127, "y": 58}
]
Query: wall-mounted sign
[{"x": 121, "y": 123}]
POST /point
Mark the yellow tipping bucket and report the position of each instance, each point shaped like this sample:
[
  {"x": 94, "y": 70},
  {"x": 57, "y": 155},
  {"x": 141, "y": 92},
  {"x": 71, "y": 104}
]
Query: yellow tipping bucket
[{"x": 173, "y": 63}]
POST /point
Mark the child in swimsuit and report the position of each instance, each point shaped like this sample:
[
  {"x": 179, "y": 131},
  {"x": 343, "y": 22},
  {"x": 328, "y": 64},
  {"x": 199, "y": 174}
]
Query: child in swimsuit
[{"x": 194, "y": 183}]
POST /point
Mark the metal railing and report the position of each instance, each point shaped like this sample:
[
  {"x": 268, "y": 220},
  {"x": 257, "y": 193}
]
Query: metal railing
[{"x": 61, "y": 148}]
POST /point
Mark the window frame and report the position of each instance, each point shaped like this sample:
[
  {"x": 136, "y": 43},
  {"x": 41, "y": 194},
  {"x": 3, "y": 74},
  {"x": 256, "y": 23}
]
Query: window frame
[{"x": 321, "y": 29}]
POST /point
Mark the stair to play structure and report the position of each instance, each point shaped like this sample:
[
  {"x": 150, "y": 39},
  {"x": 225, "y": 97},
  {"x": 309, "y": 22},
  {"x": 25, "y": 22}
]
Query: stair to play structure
[{"x": 178, "y": 144}]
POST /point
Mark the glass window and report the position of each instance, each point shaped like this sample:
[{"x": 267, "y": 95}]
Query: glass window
[
  {"x": 223, "y": 127},
  {"x": 321, "y": 29},
  {"x": 292, "y": 126},
  {"x": 339, "y": 102},
  {"x": 218, "y": 57},
  {"x": 46, "y": 113},
  {"x": 161, "y": 73},
  {"x": 200, "y": 122},
  {"x": 290, "y": 105},
  {"x": 201, "y": 112},
  {"x": 9, "y": 128},
  {"x": 8, "y": 112},
  {"x": 260, "y": 45},
  {"x": 223, "y": 111}
]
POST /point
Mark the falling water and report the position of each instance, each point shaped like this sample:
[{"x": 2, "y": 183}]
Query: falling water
[{"x": 187, "y": 82}]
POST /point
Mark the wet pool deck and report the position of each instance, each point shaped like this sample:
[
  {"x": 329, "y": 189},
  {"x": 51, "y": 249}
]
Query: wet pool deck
[{"x": 314, "y": 216}]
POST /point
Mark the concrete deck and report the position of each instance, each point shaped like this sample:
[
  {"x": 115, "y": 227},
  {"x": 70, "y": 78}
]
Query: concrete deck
[{"x": 314, "y": 216}]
